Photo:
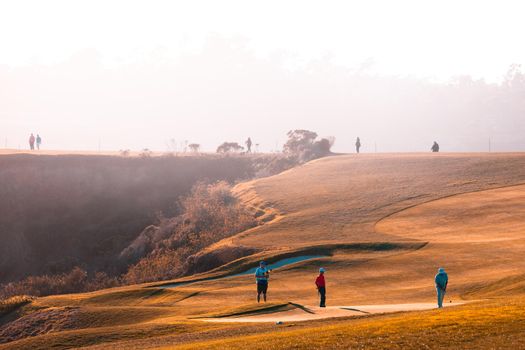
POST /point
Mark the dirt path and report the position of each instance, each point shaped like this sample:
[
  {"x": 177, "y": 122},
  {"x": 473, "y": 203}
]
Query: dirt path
[{"x": 316, "y": 313}]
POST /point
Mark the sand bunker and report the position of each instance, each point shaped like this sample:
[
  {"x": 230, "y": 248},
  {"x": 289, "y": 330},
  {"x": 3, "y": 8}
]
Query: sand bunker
[{"x": 316, "y": 313}]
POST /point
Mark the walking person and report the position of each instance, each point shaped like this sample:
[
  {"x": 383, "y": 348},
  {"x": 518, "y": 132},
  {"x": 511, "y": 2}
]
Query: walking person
[
  {"x": 357, "y": 145},
  {"x": 321, "y": 287},
  {"x": 262, "y": 274},
  {"x": 32, "y": 142},
  {"x": 249, "y": 145},
  {"x": 38, "y": 141},
  {"x": 441, "y": 281},
  {"x": 435, "y": 147}
]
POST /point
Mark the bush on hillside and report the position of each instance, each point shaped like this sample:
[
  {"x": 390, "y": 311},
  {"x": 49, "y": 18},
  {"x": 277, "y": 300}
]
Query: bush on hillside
[
  {"x": 210, "y": 213},
  {"x": 84, "y": 210},
  {"x": 10, "y": 304},
  {"x": 77, "y": 280}
]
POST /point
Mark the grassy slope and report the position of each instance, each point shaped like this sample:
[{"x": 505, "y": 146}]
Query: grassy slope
[{"x": 340, "y": 200}]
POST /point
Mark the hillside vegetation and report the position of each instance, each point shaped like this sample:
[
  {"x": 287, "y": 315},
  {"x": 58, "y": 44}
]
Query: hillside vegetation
[{"x": 60, "y": 212}]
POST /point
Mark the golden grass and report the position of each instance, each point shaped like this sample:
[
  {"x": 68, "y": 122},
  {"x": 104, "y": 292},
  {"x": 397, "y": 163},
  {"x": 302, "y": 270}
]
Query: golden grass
[
  {"x": 495, "y": 324},
  {"x": 250, "y": 309},
  {"x": 335, "y": 202}
]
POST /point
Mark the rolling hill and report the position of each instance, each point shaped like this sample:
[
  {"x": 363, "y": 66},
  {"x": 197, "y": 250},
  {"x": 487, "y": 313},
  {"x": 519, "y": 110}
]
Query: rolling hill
[{"x": 380, "y": 224}]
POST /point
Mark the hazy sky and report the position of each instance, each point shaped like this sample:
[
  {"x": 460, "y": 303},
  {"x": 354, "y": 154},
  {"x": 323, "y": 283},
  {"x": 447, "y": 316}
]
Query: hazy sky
[{"x": 136, "y": 74}]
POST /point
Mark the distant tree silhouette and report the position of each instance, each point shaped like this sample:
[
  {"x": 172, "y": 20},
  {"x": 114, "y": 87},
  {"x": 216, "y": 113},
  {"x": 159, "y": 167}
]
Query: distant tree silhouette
[
  {"x": 514, "y": 78},
  {"x": 146, "y": 153},
  {"x": 229, "y": 147},
  {"x": 299, "y": 140},
  {"x": 194, "y": 147},
  {"x": 124, "y": 152},
  {"x": 303, "y": 144}
]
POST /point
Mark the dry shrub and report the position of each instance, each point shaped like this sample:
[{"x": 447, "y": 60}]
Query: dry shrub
[
  {"x": 58, "y": 212},
  {"x": 77, "y": 280},
  {"x": 86, "y": 210},
  {"x": 210, "y": 213},
  {"x": 156, "y": 266},
  {"x": 10, "y": 304}
]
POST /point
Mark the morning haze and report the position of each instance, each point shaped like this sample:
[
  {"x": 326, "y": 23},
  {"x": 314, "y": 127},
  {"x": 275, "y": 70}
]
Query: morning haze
[
  {"x": 285, "y": 174},
  {"x": 224, "y": 93},
  {"x": 208, "y": 80}
]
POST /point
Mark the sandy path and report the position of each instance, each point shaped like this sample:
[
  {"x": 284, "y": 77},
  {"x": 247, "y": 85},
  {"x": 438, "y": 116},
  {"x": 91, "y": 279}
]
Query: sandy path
[{"x": 317, "y": 313}]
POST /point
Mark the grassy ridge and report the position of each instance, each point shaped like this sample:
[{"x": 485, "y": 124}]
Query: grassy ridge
[{"x": 11, "y": 304}]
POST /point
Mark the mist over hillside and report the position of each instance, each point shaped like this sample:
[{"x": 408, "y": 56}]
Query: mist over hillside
[
  {"x": 224, "y": 91},
  {"x": 58, "y": 212}
]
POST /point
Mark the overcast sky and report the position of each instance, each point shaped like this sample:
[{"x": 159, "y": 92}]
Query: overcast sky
[{"x": 136, "y": 74}]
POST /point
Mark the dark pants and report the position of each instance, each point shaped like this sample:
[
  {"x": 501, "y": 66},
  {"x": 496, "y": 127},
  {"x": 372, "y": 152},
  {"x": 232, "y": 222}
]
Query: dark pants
[
  {"x": 322, "y": 293},
  {"x": 262, "y": 288}
]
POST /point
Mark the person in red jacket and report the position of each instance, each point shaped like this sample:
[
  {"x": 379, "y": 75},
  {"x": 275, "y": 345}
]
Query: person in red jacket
[{"x": 321, "y": 287}]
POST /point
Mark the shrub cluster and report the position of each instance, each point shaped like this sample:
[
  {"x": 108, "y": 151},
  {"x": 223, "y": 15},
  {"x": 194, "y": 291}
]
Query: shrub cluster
[
  {"x": 12, "y": 303},
  {"x": 210, "y": 213},
  {"x": 77, "y": 280}
]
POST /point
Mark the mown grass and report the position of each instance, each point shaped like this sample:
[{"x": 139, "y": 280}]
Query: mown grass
[
  {"x": 250, "y": 309},
  {"x": 496, "y": 324}
]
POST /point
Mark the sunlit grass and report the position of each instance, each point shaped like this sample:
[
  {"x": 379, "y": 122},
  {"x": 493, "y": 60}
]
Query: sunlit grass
[
  {"x": 13, "y": 303},
  {"x": 492, "y": 324}
]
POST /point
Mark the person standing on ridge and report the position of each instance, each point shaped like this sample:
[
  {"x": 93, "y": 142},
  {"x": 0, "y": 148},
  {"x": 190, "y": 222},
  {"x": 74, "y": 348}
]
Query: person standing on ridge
[
  {"x": 262, "y": 274},
  {"x": 357, "y": 145},
  {"x": 441, "y": 281},
  {"x": 321, "y": 287},
  {"x": 435, "y": 147},
  {"x": 32, "y": 142},
  {"x": 38, "y": 141},
  {"x": 249, "y": 145}
]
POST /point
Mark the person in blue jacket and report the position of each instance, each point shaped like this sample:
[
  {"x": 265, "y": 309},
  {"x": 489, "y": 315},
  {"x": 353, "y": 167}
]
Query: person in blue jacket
[{"x": 441, "y": 281}]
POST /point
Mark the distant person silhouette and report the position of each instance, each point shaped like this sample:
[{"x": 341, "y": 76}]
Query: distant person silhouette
[
  {"x": 38, "y": 141},
  {"x": 441, "y": 281},
  {"x": 32, "y": 142},
  {"x": 249, "y": 145},
  {"x": 357, "y": 145},
  {"x": 321, "y": 287},
  {"x": 435, "y": 147}
]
